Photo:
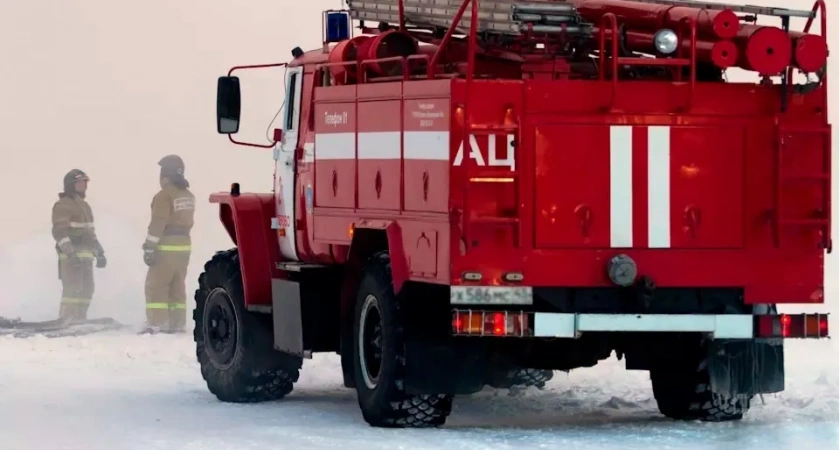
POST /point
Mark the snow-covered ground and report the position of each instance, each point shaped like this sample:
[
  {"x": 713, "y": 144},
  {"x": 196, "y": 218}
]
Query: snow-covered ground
[{"x": 118, "y": 390}]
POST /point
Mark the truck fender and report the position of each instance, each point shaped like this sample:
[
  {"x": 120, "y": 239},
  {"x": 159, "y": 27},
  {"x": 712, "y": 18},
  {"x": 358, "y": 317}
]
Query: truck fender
[
  {"x": 247, "y": 219},
  {"x": 369, "y": 237}
]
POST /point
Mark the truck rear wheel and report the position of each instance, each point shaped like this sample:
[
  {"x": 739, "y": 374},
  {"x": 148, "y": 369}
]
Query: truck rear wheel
[
  {"x": 686, "y": 394},
  {"x": 235, "y": 346},
  {"x": 379, "y": 357}
]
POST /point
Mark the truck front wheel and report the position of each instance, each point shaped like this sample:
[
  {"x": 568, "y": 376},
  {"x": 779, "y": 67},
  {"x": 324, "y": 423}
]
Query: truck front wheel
[
  {"x": 684, "y": 393},
  {"x": 379, "y": 357},
  {"x": 235, "y": 346}
]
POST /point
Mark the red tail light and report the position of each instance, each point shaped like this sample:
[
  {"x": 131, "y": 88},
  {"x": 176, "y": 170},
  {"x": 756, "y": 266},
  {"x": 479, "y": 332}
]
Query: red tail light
[
  {"x": 491, "y": 323},
  {"x": 792, "y": 326}
]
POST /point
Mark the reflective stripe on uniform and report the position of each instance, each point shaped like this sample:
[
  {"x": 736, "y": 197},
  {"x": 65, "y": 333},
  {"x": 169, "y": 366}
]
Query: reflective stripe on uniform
[
  {"x": 161, "y": 305},
  {"x": 175, "y": 248},
  {"x": 75, "y": 300},
  {"x": 81, "y": 224},
  {"x": 80, "y": 255},
  {"x": 64, "y": 240},
  {"x": 152, "y": 239}
]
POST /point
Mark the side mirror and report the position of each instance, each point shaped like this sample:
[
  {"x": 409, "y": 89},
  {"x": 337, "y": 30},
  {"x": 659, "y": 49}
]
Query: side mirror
[{"x": 228, "y": 105}]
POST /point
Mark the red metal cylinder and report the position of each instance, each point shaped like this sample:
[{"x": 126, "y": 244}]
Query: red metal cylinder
[
  {"x": 722, "y": 23},
  {"x": 345, "y": 52},
  {"x": 766, "y": 50},
  {"x": 810, "y": 51},
  {"x": 653, "y": 17},
  {"x": 389, "y": 44},
  {"x": 722, "y": 54}
]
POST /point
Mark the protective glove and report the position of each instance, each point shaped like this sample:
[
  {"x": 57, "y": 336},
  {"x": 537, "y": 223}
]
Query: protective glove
[
  {"x": 149, "y": 257},
  {"x": 101, "y": 261},
  {"x": 149, "y": 253},
  {"x": 67, "y": 249}
]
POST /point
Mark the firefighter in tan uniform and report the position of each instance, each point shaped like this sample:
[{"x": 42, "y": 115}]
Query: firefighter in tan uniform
[
  {"x": 167, "y": 249},
  {"x": 77, "y": 247}
]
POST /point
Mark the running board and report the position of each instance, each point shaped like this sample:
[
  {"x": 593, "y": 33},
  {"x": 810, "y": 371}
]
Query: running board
[
  {"x": 298, "y": 266},
  {"x": 571, "y": 326}
]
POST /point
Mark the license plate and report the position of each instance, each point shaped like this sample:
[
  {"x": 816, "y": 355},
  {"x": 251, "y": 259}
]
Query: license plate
[{"x": 491, "y": 295}]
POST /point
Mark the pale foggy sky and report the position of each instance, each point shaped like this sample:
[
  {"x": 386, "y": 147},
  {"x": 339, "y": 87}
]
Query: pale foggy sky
[{"x": 110, "y": 86}]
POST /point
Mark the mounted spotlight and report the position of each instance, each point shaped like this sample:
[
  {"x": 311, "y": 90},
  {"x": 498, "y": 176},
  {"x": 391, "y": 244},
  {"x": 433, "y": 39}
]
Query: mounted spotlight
[{"x": 665, "y": 41}]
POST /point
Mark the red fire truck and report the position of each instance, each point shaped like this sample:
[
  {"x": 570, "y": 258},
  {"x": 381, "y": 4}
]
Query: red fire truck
[{"x": 470, "y": 192}]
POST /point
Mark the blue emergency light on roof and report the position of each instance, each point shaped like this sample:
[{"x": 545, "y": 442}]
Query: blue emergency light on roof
[{"x": 337, "y": 25}]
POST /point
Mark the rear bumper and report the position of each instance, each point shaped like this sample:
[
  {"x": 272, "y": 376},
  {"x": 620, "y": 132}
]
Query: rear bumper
[
  {"x": 720, "y": 326},
  {"x": 468, "y": 322}
]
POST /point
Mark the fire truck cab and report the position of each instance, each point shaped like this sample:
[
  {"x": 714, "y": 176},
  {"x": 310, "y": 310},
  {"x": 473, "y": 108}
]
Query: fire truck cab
[{"x": 484, "y": 192}]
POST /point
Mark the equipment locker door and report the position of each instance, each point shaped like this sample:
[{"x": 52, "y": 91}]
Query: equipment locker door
[
  {"x": 572, "y": 183},
  {"x": 706, "y": 186},
  {"x": 284, "y": 155}
]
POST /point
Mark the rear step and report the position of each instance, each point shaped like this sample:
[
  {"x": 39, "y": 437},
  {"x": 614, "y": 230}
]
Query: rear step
[{"x": 565, "y": 325}]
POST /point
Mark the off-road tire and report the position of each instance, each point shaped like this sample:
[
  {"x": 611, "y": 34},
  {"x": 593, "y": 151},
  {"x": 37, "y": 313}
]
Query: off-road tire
[
  {"x": 386, "y": 404},
  {"x": 522, "y": 377},
  {"x": 686, "y": 395},
  {"x": 255, "y": 372}
]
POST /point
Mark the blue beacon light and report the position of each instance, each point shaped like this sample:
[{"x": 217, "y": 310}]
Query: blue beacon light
[{"x": 337, "y": 25}]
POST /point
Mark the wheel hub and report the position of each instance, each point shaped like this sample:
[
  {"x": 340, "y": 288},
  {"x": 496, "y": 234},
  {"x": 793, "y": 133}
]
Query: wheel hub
[
  {"x": 220, "y": 328},
  {"x": 370, "y": 341}
]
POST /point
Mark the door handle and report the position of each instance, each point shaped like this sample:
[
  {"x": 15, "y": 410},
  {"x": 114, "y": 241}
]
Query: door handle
[
  {"x": 584, "y": 214},
  {"x": 692, "y": 220}
]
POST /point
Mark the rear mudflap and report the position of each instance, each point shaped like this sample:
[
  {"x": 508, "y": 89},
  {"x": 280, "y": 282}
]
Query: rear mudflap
[
  {"x": 448, "y": 366},
  {"x": 746, "y": 367}
]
